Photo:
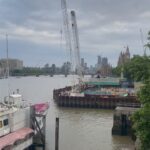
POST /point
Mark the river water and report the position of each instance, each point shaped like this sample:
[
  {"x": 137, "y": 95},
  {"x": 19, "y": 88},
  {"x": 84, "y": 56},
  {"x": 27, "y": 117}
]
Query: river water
[{"x": 80, "y": 129}]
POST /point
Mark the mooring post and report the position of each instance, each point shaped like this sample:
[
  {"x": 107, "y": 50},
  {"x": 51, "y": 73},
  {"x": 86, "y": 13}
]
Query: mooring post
[{"x": 57, "y": 134}]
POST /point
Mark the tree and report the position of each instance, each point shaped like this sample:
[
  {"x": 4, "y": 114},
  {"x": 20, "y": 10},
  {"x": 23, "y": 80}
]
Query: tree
[
  {"x": 117, "y": 70},
  {"x": 141, "y": 118},
  {"x": 138, "y": 68},
  {"x": 148, "y": 44}
]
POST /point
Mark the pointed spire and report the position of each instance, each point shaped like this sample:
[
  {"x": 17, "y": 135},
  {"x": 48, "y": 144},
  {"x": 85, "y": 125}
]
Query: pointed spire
[{"x": 127, "y": 50}]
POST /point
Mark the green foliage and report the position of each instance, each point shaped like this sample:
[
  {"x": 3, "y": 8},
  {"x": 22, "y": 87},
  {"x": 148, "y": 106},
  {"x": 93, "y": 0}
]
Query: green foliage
[
  {"x": 142, "y": 126},
  {"x": 138, "y": 68},
  {"x": 27, "y": 71},
  {"x": 141, "y": 119},
  {"x": 117, "y": 70},
  {"x": 148, "y": 44},
  {"x": 144, "y": 93}
]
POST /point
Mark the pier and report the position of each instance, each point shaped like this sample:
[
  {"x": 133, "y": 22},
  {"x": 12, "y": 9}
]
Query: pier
[{"x": 122, "y": 124}]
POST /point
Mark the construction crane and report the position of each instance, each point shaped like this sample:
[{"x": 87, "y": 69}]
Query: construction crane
[
  {"x": 74, "y": 57},
  {"x": 76, "y": 45},
  {"x": 67, "y": 30},
  {"x": 142, "y": 41}
]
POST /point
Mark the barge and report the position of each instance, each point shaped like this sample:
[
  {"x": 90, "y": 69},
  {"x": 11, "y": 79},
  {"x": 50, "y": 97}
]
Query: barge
[{"x": 100, "y": 93}]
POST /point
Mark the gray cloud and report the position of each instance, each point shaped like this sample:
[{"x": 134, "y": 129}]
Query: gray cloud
[{"x": 105, "y": 26}]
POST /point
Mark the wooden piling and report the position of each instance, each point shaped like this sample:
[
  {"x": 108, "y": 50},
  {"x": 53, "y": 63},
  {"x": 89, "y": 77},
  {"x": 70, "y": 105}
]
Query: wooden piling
[
  {"x": 121, "y": 121},
  {"x": 57, "y": 134}
]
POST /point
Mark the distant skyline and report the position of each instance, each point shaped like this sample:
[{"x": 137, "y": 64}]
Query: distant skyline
[{"x": 105, "y": 28}]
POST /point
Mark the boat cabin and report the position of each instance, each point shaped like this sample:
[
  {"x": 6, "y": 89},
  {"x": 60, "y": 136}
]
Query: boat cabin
[
  {"x": 4, "y": 125},
  {"x": 14, "y": 100}
]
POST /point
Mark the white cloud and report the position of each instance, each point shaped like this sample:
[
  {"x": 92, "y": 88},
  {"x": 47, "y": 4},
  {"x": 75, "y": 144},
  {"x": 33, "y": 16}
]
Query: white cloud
[{"x": 27, "y": 34}]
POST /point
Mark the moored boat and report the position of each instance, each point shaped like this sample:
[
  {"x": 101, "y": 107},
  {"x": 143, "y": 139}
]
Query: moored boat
[{"x": 15, "y": 122}]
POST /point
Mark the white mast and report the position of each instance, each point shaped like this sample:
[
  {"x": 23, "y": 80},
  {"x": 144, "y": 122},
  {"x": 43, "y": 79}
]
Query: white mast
[
  {"x": 7, "y": 65},
  {"x": 142, "y": 41}
]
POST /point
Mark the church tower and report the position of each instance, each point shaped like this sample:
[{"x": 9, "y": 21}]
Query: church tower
[
  {"x": 124, "y": 57},
  {"x": 127, "y": 53}
]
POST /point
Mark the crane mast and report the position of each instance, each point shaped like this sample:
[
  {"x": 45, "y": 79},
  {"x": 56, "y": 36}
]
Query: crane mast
[
  {"x": 75, "y": 52},
  {"x": 142, "y": 41},
  {"x": 67, "y": 30},
  {"x": 76, "y": 44}
]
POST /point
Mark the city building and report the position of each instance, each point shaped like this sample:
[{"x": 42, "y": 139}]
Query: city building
[
  {"x": 124, "y": 57},
  {"x": 103, "y": 67},
  {"x": 84, "y": 66},
  {"x": 99, "y": 60},
  {"x": 14, "y": 64},
  {"x": 66, "y": 68},
  {"x": 104, "y": 61},
  {"x": 82, "y": 62}
]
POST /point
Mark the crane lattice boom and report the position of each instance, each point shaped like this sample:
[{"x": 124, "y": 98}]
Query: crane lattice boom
[
  {"x": 76, "y": 44},
  {"x": 66, "y": 29}
]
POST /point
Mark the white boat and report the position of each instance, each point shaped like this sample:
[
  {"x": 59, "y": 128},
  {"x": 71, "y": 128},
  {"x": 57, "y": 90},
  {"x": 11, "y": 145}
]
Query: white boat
[{"x": 15, "y": 123}]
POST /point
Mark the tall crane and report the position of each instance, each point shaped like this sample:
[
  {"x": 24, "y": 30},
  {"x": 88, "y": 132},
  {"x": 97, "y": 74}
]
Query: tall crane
[
  {"x": 142, "y": 41},
  {"x": 76, "y": 45},
  {"x": 67, "y": 30},
  {"x": 74, "y": 57}
]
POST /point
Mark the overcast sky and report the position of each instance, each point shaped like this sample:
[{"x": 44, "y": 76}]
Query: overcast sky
[{"x": 105, "y": 27}]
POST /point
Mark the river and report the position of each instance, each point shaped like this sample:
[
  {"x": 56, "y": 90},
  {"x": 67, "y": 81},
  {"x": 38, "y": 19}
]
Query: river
[{"x": 80, "y": 129}]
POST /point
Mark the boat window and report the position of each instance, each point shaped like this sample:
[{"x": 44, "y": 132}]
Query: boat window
[
  {"x": 1, "y": 125},
  {"x": 5, "y": 122}
]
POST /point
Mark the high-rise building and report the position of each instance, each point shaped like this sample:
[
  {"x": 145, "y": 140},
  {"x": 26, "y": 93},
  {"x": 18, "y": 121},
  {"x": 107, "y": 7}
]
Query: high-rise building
[
  {"x": 104, "y": 61},
  {"x": 84, "y": 66},
  {"x": 99, "y": 60},
  {"x": 82, "y": 62}
]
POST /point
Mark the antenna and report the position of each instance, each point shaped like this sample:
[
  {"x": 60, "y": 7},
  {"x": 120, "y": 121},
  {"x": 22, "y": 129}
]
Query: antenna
[
  {"x": 7, "y": 67},
  {"x": 7, "y": 63},
  {"x": 142, "y": 41}
]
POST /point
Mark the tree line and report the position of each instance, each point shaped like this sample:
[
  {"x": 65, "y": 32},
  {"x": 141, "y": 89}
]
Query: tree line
[{"x": 46, "y": 70}]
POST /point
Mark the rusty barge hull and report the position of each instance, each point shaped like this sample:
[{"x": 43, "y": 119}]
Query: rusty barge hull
[{"x": 92, "y": 101}]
